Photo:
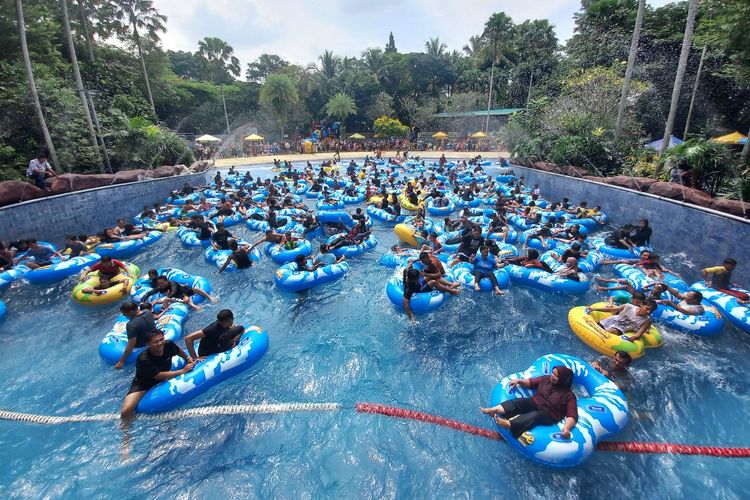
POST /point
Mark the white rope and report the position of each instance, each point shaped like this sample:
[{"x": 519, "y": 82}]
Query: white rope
[{"x": 175, "y": 414}]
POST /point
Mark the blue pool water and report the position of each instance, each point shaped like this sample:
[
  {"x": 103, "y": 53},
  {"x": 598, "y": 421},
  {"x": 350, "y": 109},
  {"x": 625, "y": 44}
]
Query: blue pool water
[{"x": 346, "y": 343}]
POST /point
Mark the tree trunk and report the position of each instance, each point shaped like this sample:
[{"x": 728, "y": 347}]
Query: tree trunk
[
  {"x": 629, "y": 69},
  {"x": 695, "y": 91},
  {"x": 99, "y": 132},
  {"x": 686, "y": 42},
  {"x": 489, "y": 97},
  {"x": 224, "y": 103},
  {"x": 32, "y": 85},
  {"x": 531, "y": 84},
  {"x": 79, "y": 81},
  {"x": 86, "y": 33},
  {"x": 143, "y": 66}
]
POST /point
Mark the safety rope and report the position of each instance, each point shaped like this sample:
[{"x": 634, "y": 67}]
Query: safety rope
[{"x": 379, "y": 409}]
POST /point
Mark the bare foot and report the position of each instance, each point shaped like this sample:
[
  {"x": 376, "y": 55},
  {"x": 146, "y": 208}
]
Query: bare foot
[
  {"x": 487, "y": 411},
  {"x": 505, "y": 424},
  {"x": 499, "y": 292},
  {"x": 213, "y": 299},
  {"x": 476, "y": 287},
  {"x": 454, "y": 292}
]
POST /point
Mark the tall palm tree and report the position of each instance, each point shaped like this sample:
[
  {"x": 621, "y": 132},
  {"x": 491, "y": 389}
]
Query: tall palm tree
[
  {"x": 278, "y": 93},
  {"x": 220, "y": 64},
  {"x": 497, "y": 34},
  {"x": 474, "y": 46},
  {"x": 134, "y": 17},
  {"x": 329, "y": 64},
  {"x": 32, "y": 85},
  {"x": 687, "y": 40},
  {"x": 695, "y": 91},
  {"x": 629, "y": 69},
  {"x": 79, "y": 81},
  {"x": 83, "y": 19},
  {"x": 340, "y": 106},
  {"x": 435, "y": 47},
  {"x": 374, "y": 60}
]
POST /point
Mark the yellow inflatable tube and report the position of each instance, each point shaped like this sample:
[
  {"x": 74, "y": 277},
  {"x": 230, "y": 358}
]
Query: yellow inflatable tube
[
  {"x": 406, "y": 205},
  {"x": 112, "y": 294},
  {"x": 409, "y": 235},
  {"x": 586, "y": 326}
]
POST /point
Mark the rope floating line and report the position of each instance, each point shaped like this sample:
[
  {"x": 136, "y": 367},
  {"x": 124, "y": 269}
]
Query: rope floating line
[{"x": 374, "y": 409}]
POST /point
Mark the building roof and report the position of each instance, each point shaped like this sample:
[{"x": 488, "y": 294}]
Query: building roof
[{"x": 492, "y": 112}]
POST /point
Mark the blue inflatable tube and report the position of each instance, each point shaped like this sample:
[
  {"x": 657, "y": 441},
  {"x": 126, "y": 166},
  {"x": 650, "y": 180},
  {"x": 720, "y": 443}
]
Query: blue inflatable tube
[
  {"x": 462, "y": 272},
  {"x": 206, "y": 374},
  {"x": 737, "y": 314},
  {"x": 548, "y": 282},
  {"x": 520, "y": 222},
  {"x": 230, "y": 220},
  {"x": 288, "y": 278},
  {"x": 128, "y": 248},
  {"x": 218, "y": 257},
  {"x": 352, "y": 200},
  {"x": 190, "y": 238},
  {"x": 419, "y": 303},
  {"x": 440, "y": 211},
  {"x": 602, "y": 414},
  {"x": 353, "y": 250},
  {"x": 536, "y": 242},
  {"x": 281, "y": 256},
  {"x": 60, "y": 269},
  {"x": 142, "y": 285},
  {"x": 11, "y": 275},
  {"x": 588, "y": 264},
  {"x": 621, "y": 253},
  {"x": 112, "y": 346},
  {"x": 510, "y": 237},
  {"x": 335, "y": 216},
  {"x": 382, "y": 215},
  {"x": 3, "y": 310}
]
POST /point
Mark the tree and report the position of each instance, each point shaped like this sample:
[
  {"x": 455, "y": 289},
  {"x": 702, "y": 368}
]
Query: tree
[
  {"x": 374, "y": 60},
  {"x": 220, "y": 64},
  {"x": 497, "y": 32},
  {"x": 386, "y": 126},
  {"x": 278, "y": 93},
  {"x": 340, "y": 106},
  {"x": 602, "y": 31},
  {"x": 391, "y": 45},
  {"x": 32, "y": 84},
  {"x": 383, "y": 106},
  {"x": 138, "y": 15},
  {"x": 629, "y": 69},
  {"x": 435, "y": 47},
  {"x": 184, "y": 64},
  {"x": 79, "y": 81},
  {"x": 266, "y": 64},
  {"x": 686, "y": 43},
  {"x": 474, "y": 46},
  {"x": 329, "y": 64}
]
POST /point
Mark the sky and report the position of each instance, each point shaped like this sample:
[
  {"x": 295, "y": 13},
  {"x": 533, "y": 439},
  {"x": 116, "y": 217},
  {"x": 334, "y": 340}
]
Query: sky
[{"x": 299, "y": 31}]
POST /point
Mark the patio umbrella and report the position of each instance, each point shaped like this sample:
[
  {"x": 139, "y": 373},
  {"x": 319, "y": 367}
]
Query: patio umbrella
[
  {"x": 207, "y": 138},
  {"x": 356, "y": 136},
  {"x": 733, "y": 138},
  {"x": 439, "y": 135},
  {"x": 254, "y": 138},
  {"x": 478, "y": 135}
]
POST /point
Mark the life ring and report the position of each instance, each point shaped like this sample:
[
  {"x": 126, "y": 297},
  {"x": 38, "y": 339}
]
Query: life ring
[
  {"x": 288, "y": 277},
  {"x": 113, "y": 294}
]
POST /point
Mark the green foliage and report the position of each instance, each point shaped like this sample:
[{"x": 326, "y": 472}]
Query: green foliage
[
  {"x": 341, "y": 105},
  {"x": 711, "y": 162},
  {"x": 138, "y": 143},
  {"x": 385, "y": 126}
]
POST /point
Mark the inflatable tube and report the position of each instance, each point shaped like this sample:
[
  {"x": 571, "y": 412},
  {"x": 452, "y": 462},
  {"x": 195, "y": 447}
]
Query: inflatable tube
[
  {"x": 211, "y": 371},
  {"x": 192, "y": 197},
  {"x": 639, "y": 280},
  {"x": 60, "y": 269},
  {"x": 542, "y": 280},
  {"x": 127, "y": 248},
  {"x": 622, "y": 253},
  {"x": 288, "y": 278},
  {"x": 600, "y": 415},
  {"x": 3, "y": 310},
  {"x": 462, "y": 272},
  {"x": 114, "y": 343},
  {"x": 520, "y": 222},
  {"x": 588, "y": 264},
  {"x": 112, "y": 294},
  {"x": 511, "y": 235},
  {"x": 281, "y": 256},
  {"x": 190, "y": 238},
  {"x": 353, "y": 200},
  {"x": 587, "y": 327},
  {"x": 381, "y": 215},
  {"x": 322, "y": 205},
  {"x": 440, "y": 211},
  {"x": 229, "y": 220},
  {"x": 406, "y": 205},
  {"x": 263, "y": 226},
  {"x": 536, "y": 242},
  {"x": 737, "y": 314},
  {"x": 11, "y": 275},
  {"x": 335, "y": 216},
  {"x": 218, "y": 257},
  {"x": 419, "y": 303},
  {"x": 353, "y": 250},
  {"x": 408, "y": 235},
  {"x": 142, "y": 285}
]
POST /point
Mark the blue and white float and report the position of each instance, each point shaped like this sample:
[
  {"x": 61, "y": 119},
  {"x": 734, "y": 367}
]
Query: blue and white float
[
  {"x": 462, "y": 272},
  {"x": 548, "y": 282},
  {"x": 621, "y": 253},
  {"x": 143, "y": 284},
  {"x": 352, "y": 250},
  {"x": 3, "y": 309},
  {"x": 289, "y": 278},
  {"x": 60, "y": 269},
  {"x": 189, "y": 238},
  {"x": 9, "y": 276},
  {"x": 737, "y": 314},
  {"x": 419, "y": 303},
  {"x": 602, "y": 414},
  {"x": 128, "y": 248},
  {"x": 281, "y": 255},
  {"x": 206, "y": 374},
  {"x": 218, "y": 257}
]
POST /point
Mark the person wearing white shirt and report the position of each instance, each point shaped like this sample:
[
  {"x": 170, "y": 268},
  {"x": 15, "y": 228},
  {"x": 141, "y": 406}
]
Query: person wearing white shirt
[{"x": 39, "y": 169}]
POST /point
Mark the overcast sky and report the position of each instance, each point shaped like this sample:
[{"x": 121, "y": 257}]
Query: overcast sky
[{"x": 300, "y": 30}]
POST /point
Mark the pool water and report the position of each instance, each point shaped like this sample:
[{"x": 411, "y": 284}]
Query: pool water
[{"x": 346, "y": 343}]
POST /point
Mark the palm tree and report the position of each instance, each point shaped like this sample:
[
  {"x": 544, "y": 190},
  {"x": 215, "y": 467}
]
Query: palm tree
[
  {"x": 278, "y": 93},
  {"x": 32, "y": 84},
  {"x": 340, "y": 106},
  {"x": 435, "y": 47},
  {"x": 138, "y": 15},
  {"x": 681, "y": 66},
  {"x": 695, "y": 91},
  {"x": 79, "y": 81},
  {"x": 220, "y": 64},
  {"x": 329, "y": 64},
  {"x": 497, "y": 33},
  {"x": 374, "y": 60},
  {"x": 629, "y": 68},
  {"x": 83, "y": 12},
  {"x": 474, "y": 46}
]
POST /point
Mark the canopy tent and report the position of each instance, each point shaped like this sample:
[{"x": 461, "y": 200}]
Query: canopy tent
[
  {"x": 673, "y": 141},
  {"x": 356, "y": 136},
  {"x": 439, "y": 135},
  {"x": 733, "y": 138},
  {"x": 478, "y": 135},
  {"x": 207, "y": 138},
  {"x": 254, "y": 137}
]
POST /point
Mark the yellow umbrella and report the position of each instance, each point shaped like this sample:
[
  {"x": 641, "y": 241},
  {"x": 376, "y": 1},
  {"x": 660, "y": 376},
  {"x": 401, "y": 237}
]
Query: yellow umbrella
[
  {"x": 207, "y": 138},
  {"x": 733, "y": 138},
  {"x": 478, "y": 135},
  {"x": 439, "y": 135},
  {"x": 356, "y": 136},
  {"x": 254, "y": 137}
]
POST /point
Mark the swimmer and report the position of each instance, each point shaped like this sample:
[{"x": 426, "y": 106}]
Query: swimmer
[
  {"x": 239, "y": 256},
  {"x": 140, "y": 323},
  {"x": 627, "y": 318},
  {"x": 220, "y": 336}
]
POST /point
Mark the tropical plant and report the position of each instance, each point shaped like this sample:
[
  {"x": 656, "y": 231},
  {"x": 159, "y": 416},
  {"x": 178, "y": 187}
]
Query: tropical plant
[
  {"x": 385, "y": 126},
  {"x": 711, "y": 163},
  {"x": 220, "y": 64},
  {"x": 279, "y": 93},
  {"x": 435, "y": 47},
  {"x": 497, "y": 36},
  {"x": 340, "y": 106},
  {"x": 329, "y": 64}
]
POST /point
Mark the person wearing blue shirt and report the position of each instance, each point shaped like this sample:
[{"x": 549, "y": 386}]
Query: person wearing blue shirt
[{"x": 484, "y": 266}]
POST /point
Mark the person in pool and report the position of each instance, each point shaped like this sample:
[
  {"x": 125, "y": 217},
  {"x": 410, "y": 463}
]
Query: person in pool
[
  {"x": 569, "y": 270},
  {"x": 414, "y": 282},
  {"x": 39, "y": 255},
  {"x": 620, "y": 238},
  {"x": 220, "y": 237},
  {"x": 689, "y": 302},
  {"x": 105, "y": 283},
  {"x": 240, "y": 256},
  {"x": 76, "y": 246},
  {"x": 641, "y": 234},
  {"x": 140, "y": 323},
  {"x": 615, "y": 368},
  {"x": 531, "y": 259},
  {"x": 108, "y": 268},
  {"x": 484, "y": 266},
  {"x": 325, "y": 256},
  {"x": 721, "y": 280},
  {"x": 174, "y": 291},
  {"x": 153, "y": 365},
  {"x": 220, "y": 336},
  {"x": 627, "y": 318},
  {"x": 553, "y": 401}
]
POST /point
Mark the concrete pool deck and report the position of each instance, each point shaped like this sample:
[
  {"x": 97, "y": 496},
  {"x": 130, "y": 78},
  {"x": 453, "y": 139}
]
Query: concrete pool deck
[{"x": 350, "y": 155}]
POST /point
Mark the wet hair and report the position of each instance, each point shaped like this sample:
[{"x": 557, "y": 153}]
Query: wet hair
[
  {"x": 624, "y": 357},
  {"x": 153, "y": 271},
  {"x": 128, "y": 307},
  {"x": 650, "y": 304},
  {"x": 233, "y": 245},
  {"x": 412, "y": 274},
  {"x": 146, "y": 306},
  {"x": 225, "y": 315},
  {"x": 532, "y": 254},
  {"x": 730, "y": 261},
  {"x": 639, "y": 296},
  {"x": 153, "y": 333}
]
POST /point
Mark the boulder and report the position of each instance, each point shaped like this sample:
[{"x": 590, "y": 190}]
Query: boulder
[
  {"x": 66, "y": 183},
  {"x": 166, "y": 171},
  {"x": 128, "y": 175},
  {"x": 634, "y": 183},
  {"x": 697, "y": 197},
  {"x": 573, "y": 171},
  {"x": 16, "y": 191},
  {"x": 734, "y": 207},
  {"x": 595, "y": 179},
  {"x": 200, "y": 166},
  {"x": 678, "y": 192}
]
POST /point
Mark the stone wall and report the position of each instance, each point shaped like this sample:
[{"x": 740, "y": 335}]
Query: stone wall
[
  {"x": 705, "y": 236},
  {"x": 87, "y": 211}
]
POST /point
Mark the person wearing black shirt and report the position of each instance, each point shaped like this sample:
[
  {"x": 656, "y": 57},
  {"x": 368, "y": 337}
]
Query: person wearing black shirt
[
  {"x": 153, "y": 365},
  {"x": 140, "y": 324},
  {"x": 641, "y": 234},
  {"x": 469, "y": 245},
  {"x": 75, "y": 246},
  {"x": 239, "y": 256},
  {"x": 220, "y": 336},
  {"x": 220, "y": 238}
]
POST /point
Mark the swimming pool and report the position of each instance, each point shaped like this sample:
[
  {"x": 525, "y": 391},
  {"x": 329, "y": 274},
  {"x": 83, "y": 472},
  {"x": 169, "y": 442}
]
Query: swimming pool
[{"x": 346, "y": 343}]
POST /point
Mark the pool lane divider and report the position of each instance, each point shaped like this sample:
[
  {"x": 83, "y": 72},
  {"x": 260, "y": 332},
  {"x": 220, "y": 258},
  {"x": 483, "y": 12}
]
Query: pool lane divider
[{"x": 374, "y": 409}]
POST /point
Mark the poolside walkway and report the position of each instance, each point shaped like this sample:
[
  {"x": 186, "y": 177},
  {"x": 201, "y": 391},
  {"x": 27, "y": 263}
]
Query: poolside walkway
[{"x": 256, "y": 160}]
